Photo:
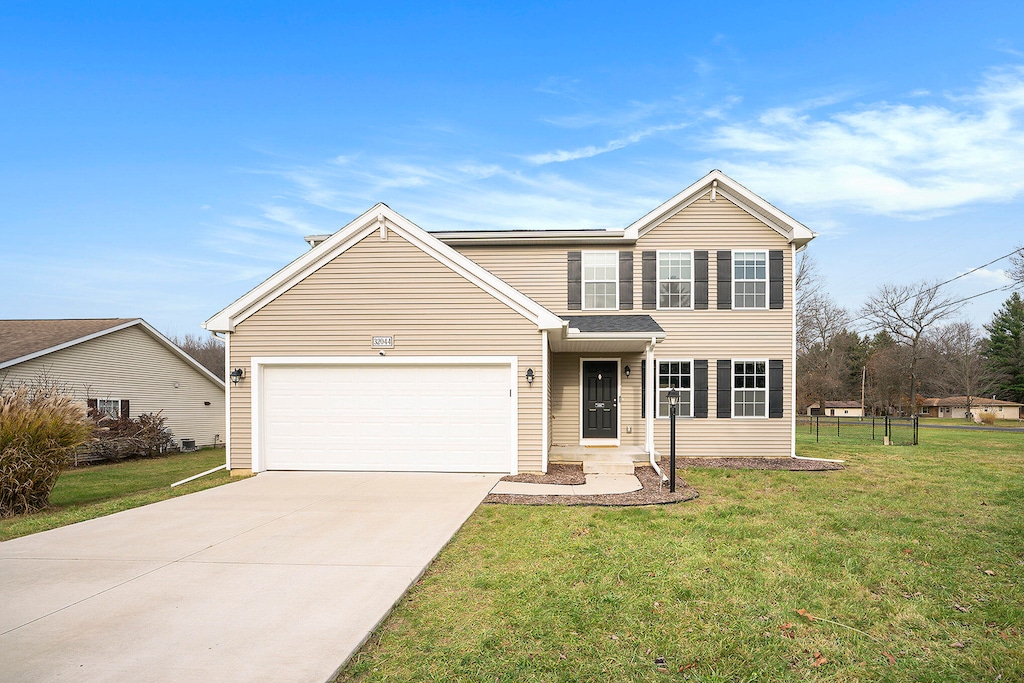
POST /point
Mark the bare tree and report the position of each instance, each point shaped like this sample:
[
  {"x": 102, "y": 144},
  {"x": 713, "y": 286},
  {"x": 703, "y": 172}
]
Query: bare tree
[
  {"x": 1017, "y": 267},
  {"x": 963, "y": 370},
  {"x": 209, "y": 351},
  {"x": 907, "y": 312}
]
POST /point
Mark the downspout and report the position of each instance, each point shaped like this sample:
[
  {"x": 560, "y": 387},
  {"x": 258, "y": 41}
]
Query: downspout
[
  {"x": 649, "y": 380},
  {"x": 792, "y": 371}
]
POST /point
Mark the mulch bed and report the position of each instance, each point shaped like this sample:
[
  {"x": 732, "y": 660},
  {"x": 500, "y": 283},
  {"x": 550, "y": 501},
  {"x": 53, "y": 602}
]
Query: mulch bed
[{"x": 654, "y": 492}]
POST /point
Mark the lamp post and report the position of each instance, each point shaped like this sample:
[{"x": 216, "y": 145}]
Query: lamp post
[{"x": 673, "y": 400}]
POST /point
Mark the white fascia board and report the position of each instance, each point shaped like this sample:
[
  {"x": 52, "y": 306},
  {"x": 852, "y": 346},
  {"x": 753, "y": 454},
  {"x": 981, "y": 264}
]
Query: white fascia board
[
  {"x": 612, "y": 336},
  {"x": 269, "y": 289},
  {"x": 785, "y": 225},
  {"x": 73, "y": 342},
  {"x": 341, "y": 241},
  {"x": 513, "y": 237}
]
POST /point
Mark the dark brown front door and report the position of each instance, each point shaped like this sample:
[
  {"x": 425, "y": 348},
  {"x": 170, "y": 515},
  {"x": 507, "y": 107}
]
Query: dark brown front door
[{"x": 600, "y": 399}]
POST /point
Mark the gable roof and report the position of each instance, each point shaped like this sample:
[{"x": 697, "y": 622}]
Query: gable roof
[
  {"x": 962, "y": 401},
  {"x": 379, "y": 217},
  {"x": 715, "y": 183},
  {"x": 838, "y": 404},
  {"x": 24, "y": 340}
]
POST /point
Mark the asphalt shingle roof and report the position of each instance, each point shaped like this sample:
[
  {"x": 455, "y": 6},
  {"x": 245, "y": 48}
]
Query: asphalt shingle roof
[
  {"x": 22, "y": 337},
  {"x": 613, "y": 323}
]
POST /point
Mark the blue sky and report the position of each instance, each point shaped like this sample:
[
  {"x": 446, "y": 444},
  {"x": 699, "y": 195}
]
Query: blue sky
[{"x": 161, "y": 160}]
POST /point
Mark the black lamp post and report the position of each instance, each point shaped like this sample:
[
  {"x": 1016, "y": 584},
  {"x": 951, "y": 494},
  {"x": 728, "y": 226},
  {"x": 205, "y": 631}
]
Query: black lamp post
[{"x": 673, "y": 400}]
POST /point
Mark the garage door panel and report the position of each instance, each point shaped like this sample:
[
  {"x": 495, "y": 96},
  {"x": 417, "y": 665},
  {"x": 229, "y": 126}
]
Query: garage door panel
[{"x": 452, "y": 418}]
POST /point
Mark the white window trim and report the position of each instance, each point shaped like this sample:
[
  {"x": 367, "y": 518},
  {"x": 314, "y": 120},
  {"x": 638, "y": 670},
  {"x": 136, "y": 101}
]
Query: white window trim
[
  {"x": 659, "y": 280},
  {"x": 657, "y": 389},
  {"x": 766, "y": 280},
  {"x": 583, "y": 281},
  {"x": 116, "y": 401},
  {"x": 732, "y": 388}
]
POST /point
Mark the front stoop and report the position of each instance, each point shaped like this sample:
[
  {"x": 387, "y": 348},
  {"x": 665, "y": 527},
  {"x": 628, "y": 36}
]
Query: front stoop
[{"x": 599, "y": 459}]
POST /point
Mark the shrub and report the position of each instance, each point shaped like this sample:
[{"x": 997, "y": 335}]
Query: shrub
[
  {"x": 987, "y": 418},
  {"x": 123, "y": 437},
  {"x": 40, "y": 427}
]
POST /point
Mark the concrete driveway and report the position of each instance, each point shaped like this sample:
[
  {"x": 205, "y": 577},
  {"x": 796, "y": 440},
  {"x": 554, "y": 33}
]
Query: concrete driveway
[{"x": 276, "y": 578}]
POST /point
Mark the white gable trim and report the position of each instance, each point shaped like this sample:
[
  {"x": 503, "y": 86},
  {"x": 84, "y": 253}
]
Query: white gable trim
[
  {"x": 793, "y": 230},
  {"x": 146, "y": 327},
  {"x": 384, "y": 218}
]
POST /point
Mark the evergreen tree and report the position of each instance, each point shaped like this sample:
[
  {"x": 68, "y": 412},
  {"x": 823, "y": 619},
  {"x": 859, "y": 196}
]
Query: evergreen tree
[{"x": 1005, "y": 351}]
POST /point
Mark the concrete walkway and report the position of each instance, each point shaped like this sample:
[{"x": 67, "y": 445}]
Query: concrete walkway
[
  {"x": 276, "y": 578},
  {"x": 597, "y": 484}
]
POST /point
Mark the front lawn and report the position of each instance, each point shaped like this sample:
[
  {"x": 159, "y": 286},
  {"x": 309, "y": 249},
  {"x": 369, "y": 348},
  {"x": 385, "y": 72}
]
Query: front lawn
[
  {"x": 94, "y": 491},
  {"x": 910, "y": 561}
]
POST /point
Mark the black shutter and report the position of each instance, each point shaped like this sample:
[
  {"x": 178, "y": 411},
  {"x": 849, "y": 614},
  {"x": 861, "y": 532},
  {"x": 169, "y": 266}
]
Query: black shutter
[
  {"x": 643, "y": 389},
  {"x": 625, "y": 280},
  {"x": 650, "y": 275},
  {"x": 700, "y": 280},
  {"x": 776, "y": 297},
  {"x": 724, "y": 392},
  {"x": 700, "y": 388},
  {"x": 93, "y": 407},
  {"x": 775, "y": 388},
  {"x": 575, "y": 277},
  {"x": 124, "y": 409},
  {"x": 724, "y": 280}
]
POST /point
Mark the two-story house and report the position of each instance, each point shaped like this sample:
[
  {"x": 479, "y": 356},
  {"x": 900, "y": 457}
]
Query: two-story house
[{"x": 386, "y": 347}]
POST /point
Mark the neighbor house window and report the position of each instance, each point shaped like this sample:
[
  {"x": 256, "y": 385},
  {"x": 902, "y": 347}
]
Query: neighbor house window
[
  {"x": 109, "y": 407},
  {"x": 750, "y": 279},
  {"x": 749, "y": 388},
  {"x": 600, "y": 280},
  {"x": 677, "y": 374},
  {"x": 675, "y": 279}
]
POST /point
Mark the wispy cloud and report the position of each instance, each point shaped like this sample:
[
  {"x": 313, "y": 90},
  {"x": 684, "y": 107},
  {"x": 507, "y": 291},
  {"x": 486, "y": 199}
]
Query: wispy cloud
[
  {"x": 893, "y": 159},
  {"x": 562, "y": 155}
]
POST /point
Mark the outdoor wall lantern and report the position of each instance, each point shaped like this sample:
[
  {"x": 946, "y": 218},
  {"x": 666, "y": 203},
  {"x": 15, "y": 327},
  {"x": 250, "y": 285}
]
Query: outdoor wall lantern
[
  {"x": 529, "y": 376},
  {"x": 673, "y": 400},
  {"x": 236, "y": 375},
  {"x": 626, "y": 370}
]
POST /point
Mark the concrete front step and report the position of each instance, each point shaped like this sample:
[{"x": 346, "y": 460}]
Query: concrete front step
[{"x": 608, "y": 466}]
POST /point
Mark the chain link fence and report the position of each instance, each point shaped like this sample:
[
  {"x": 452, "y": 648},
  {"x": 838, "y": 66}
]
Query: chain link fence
[{"x": 896, "y": 431}]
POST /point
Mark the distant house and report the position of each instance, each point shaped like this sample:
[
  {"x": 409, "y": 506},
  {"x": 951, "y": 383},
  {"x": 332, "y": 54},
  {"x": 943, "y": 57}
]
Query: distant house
[
  {"x": 837, "y": 409},
  {"x": 957, "y": 407},
  {"x": 120, "y": 366}
]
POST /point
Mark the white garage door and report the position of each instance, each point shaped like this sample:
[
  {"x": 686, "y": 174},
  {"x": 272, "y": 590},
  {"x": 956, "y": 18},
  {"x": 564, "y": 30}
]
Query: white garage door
[{"x": 419, "y": 418}]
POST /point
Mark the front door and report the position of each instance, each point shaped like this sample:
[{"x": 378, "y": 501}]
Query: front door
[{"x": 600, "y": 399}]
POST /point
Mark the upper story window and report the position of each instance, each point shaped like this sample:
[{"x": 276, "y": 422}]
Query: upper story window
[
  {"x": 750, "y": 388},
  {"x": 750, "y": 279},
  {"x": 675, "y": 279},
  {"x": 675, "y": 374},
  {"x": 600, "y": 280}
]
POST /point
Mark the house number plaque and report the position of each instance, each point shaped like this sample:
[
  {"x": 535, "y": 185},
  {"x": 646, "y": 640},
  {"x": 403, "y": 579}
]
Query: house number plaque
[{"x": 383, "y": 342}]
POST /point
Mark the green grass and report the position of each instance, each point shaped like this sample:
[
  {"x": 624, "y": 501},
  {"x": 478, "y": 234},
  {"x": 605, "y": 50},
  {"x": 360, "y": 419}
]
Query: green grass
[
  {"x": 94, "y": 491},
  {"x": 891, "y": 554}
]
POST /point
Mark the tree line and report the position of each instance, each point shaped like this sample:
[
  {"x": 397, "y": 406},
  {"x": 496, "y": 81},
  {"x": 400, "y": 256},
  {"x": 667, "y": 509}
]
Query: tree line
[{"x": 904, "y": 344}]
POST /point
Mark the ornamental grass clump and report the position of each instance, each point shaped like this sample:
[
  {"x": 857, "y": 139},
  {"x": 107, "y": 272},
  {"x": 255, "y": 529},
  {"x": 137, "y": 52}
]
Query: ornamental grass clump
[{"x": 40, "y": 428}]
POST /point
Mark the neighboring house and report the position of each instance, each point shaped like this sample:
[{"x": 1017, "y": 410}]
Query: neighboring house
[
  {"x": 389, "y": 348},
  {"x": 837, "y": 408},
  {"x": 121, "y": 366},
  {"x": 957, "y": 407}
]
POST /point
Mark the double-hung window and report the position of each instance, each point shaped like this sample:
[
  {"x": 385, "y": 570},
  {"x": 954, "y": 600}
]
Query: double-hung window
[
  {"x": 675, "y": 279},
  {"x": 750, "y": 388},
  {"x": 109, "y": 407},
  {"x": 600, "y": 280},
  {"x": 750, "y": 279},
  {"x": 676, "y": 374}
]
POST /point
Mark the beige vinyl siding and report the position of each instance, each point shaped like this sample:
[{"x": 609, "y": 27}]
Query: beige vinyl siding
[
  {"x": 389, "y": 288},
  {"x": 130, "y": 364},
  {"x": 567, "y": 408},
  {"x": 726, "y": 334},
  {"x": 538, "y": 271}
]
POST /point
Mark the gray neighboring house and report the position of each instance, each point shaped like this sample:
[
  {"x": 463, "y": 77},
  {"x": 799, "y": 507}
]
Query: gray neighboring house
[{"x": 119, "y": 366}]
